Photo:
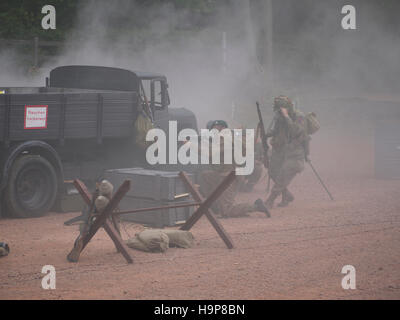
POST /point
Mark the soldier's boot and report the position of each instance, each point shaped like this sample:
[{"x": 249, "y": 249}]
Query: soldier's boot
[
  {"x": 287, "y": 197},
  {"x": 260, "y": 206},
  {"x": 270, "y": 201}
]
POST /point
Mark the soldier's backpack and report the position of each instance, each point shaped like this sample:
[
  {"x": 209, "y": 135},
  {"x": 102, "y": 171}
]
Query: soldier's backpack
[{"x": 312, "y": 123}]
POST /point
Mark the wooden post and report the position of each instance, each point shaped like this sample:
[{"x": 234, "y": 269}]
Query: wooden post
[
  {"x": 205, "y": 207},
  {"x": 101, "y": 221}
]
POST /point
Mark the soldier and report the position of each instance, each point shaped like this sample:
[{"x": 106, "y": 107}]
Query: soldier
[
  {"x": 288, "y": 137},
  {"x": 224, "y": 206}
]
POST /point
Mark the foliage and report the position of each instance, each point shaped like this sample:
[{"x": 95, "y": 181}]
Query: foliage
[{"x": 21, "y": 19}]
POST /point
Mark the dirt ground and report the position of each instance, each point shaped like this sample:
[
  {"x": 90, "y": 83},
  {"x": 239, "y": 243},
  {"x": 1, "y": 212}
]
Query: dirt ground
[{"x": 297, "y": 254}]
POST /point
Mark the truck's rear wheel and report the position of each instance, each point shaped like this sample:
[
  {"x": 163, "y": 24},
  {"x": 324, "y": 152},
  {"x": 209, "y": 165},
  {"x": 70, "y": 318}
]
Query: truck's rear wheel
[{"x": 32, "y": 187}]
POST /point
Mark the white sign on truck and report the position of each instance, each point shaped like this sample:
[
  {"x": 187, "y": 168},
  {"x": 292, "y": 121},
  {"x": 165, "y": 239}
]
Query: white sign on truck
[{"x": 35, "y": 117}]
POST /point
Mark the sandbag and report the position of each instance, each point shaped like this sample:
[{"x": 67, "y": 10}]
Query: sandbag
[
  {"x": 179, "y": 238},
  {"x": 101, "y": 203},
  {"x": 151, "y": 240},
  {"x": 135, "y": 243},
  {"x": 106, "y": 189}
]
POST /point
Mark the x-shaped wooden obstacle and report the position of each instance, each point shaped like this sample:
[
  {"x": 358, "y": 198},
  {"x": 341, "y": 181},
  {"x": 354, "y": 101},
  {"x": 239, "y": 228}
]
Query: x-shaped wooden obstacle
[
  {"x": 104, "y": 218},
  {"x": 206, "y": 204}
]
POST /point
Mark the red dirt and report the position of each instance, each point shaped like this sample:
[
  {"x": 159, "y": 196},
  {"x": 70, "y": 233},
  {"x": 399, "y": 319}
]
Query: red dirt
[{"x": 297, "y": 254}]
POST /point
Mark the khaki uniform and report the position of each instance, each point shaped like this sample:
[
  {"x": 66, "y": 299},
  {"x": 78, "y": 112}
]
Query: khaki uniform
[
  {"x": 224, "y": 206},
  {"x": 287, "y": 154}
]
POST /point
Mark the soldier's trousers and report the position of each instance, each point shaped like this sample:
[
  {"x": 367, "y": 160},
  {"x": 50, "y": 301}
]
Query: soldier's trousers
[
  {"x": 284, "y": 168},
  {"x": 224, "y": 205}
]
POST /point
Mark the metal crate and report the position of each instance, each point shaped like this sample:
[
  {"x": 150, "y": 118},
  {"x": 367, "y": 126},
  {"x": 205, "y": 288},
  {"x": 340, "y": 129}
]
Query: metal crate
[
  {"x": 152, "y": 188},
  {"x": 148, "y": 184}
]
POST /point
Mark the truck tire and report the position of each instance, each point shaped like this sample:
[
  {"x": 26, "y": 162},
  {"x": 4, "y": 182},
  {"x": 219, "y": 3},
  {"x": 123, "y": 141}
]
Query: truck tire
[{"x": 32, "y": 188}]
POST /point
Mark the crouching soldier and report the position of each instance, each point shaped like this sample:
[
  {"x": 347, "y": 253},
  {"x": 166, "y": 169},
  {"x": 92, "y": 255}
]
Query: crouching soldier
[{"x": 210, "y": 178}]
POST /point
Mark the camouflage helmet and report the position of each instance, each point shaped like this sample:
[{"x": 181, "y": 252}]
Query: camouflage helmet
[{"x": 283, "y": 102}]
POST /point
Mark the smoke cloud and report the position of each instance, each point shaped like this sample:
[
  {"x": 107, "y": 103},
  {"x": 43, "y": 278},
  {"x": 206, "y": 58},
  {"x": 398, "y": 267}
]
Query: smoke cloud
[{"x": 215, "y": 64}]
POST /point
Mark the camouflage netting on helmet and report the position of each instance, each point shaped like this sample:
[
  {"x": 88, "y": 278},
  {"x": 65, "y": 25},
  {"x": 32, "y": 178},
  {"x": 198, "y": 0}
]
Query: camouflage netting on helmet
[{"x": 283, "y": 102}]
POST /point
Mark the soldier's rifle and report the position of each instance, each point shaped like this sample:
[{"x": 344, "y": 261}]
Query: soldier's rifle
[{"x": 263, "y": 137}]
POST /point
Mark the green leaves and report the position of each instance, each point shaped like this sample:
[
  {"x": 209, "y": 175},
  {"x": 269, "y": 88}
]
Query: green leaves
[{"x": 21, "y": 19}]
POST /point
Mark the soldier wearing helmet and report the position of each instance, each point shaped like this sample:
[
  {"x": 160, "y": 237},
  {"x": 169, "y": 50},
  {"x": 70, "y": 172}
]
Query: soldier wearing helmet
[
  {"x": 224, "y": 206},
  {"x": 288, "y": 134}
]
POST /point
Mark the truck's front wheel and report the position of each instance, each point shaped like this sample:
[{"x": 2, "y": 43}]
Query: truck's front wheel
[{"x": 32, "y": 187}]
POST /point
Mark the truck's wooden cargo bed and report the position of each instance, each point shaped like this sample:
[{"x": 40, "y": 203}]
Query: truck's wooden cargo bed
[{"x": 70, "y": 114}]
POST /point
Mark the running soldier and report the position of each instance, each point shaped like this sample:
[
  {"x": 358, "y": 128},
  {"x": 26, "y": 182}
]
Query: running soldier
[{"x": 288, "y": 138}]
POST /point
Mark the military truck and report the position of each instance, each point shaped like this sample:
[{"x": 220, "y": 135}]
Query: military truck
[{"x": 76, "y": 126}]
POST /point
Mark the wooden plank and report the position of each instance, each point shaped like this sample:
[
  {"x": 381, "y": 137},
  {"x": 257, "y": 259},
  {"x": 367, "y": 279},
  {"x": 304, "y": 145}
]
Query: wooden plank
[
  {"x": 182, "y": 205},
  {"x": 100, "y": 119},
  {"x": 205, "y": 207},
  {"x": 116, "y": 238},
  {"x": 122, "y": 190},
  {"x": 84, "y": 192}
]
